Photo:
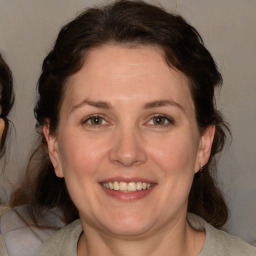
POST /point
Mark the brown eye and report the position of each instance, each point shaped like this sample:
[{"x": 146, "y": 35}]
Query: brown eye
[
  {"x": 95, "y": 120},
  {"x": 159, "y": 120}
]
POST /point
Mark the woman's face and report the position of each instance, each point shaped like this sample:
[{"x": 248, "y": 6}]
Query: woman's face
[{"x": 127, "y": 143}]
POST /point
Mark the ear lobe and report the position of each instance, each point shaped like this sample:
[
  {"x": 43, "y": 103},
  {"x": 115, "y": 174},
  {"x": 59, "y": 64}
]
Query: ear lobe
[
  {"x": 205, "y": 146},
  {"x": 53, "y": 149}
]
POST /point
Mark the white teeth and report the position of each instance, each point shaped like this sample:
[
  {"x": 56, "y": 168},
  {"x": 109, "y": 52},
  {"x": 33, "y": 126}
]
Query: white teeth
[
  {"x": 123, "y": 186},
  {"x": 127, "y": 187},
  {"x": 116, "y": 185},
  {"x": 131, "y": 186},
  {"x": 139, "y": 185}
]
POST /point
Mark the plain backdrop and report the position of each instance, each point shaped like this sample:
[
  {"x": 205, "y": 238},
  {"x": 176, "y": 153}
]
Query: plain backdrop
[{"x": 28, "y": 29}]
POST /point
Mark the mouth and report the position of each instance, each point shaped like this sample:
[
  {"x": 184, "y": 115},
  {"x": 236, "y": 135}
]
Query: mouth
[
  {"x": 128, "y": 190},
  {"x": 127, "y": 187}
]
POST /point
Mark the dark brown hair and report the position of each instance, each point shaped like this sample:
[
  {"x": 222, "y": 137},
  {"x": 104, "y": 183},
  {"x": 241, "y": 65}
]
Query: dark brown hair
[
  {"x": 133, "y": 23},
  {"x": 6, "y": 100}
]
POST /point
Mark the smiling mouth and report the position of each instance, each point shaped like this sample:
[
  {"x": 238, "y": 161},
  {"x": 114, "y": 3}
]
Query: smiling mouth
[{"x": 127, "y": 186}]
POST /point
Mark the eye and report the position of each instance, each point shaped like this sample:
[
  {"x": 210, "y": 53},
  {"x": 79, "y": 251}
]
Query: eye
[
  {"x": 160, "y": 120},
  {"x": 95, "y": 120}
]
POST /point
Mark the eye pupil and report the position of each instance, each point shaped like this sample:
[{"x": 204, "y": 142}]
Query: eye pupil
[
  {"x": 159, "y": 120},
  {"x": 96, "y": 120}
]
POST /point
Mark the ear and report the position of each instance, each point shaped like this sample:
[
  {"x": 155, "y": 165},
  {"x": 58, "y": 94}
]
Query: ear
[
  {"x": 205, "y": 146},
  {"x": 53, "y": 149}
]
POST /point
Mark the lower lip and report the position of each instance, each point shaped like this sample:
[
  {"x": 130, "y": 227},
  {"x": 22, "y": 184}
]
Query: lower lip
[{"x": 128, "y": 196}]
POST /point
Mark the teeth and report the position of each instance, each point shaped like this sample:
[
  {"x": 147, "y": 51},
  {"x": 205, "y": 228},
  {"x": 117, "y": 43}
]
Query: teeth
[
  {"x": 127, "y": 187},
  {"x": 131, "y": 186},
  {"x": 116, "y": 185},
  {"x": 123, "y": 186},
  {"x": 139, "y": 185}
]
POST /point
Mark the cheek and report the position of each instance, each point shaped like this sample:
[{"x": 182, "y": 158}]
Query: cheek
[
  {"x": 80, "y": 160},
  {"x": 176, "y": 154},
  {"x": 80, "y": 155}
]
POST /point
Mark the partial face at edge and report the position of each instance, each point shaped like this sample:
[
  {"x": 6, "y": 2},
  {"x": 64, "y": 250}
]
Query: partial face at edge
[
  {"x": 2, "y": 123},
  {"x": 128, "y": 118}
]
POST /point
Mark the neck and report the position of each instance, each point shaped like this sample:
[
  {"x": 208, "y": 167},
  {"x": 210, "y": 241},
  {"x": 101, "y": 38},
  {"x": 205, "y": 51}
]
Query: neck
[{"x": 180, "y": 239}]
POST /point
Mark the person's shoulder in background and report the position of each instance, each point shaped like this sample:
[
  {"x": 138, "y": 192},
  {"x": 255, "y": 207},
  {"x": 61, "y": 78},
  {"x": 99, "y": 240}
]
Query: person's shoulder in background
[
  {"x": 3, "y": 251},
  {"x": 20, "y": 235}
]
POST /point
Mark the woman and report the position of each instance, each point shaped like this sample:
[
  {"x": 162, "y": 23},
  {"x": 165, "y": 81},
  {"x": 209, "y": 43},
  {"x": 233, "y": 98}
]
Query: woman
[
  {"x": 129, "y": 133},
  {"x": 6, "y": 102}
]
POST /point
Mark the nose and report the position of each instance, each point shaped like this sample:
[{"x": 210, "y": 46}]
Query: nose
[{"x": 128, "y": 149}]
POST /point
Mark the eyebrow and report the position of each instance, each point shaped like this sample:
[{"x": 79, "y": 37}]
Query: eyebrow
[
  {"x": 163, "y": 103},
  {"x": 105, "y": 105},
  {"x": 96, "y": 104}
]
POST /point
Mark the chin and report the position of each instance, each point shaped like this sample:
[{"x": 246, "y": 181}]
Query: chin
[
  {"x": 129, "y": 226},
  {"x": 128, "y": 230}
]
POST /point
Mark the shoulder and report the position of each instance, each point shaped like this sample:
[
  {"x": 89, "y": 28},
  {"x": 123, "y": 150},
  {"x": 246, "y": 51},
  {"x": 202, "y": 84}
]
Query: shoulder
[
  {"x": 220, "y": 243},
  {"x": 3, "y": 251},
  {"x": 64, "y": 242},
  {"x": 20, "y": 235},
  {"x": 226, "y": 244}
]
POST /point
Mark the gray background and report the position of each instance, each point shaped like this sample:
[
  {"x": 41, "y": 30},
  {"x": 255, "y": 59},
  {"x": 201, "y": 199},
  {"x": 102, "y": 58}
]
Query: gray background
[{"x": 28, "y": 29}]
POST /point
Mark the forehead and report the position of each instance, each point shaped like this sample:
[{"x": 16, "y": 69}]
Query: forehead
[{"x": 127, "y": 73}]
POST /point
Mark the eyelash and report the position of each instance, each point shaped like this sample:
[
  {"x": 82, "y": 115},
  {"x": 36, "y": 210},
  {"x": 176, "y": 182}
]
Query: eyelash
[
  {"x": 102, "y": 121},
  {"x": 167, "y": 120},
  {"x": 91, "y": 117}
]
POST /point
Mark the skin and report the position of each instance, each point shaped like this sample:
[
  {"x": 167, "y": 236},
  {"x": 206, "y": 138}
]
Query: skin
[
  {"x": 137, "y": 88},
  {"x": 2, "y": 124}
]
